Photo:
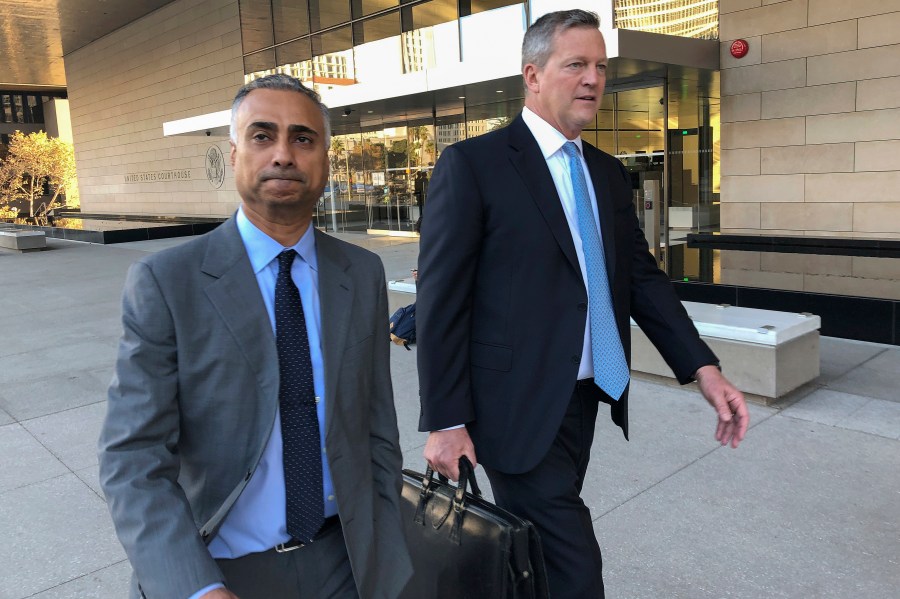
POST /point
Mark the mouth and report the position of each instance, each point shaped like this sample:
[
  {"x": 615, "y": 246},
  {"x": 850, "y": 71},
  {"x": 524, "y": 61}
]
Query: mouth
[
  {"x": 587, "y": 98},
  {"x": 281, "y": 176}
]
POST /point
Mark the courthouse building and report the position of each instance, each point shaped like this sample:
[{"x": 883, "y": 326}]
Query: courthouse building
[{"x": 762, "y": 136}]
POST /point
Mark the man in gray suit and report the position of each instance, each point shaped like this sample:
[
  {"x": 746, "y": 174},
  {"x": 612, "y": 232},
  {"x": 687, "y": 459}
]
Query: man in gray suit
[{"x": 228, "y": 340}]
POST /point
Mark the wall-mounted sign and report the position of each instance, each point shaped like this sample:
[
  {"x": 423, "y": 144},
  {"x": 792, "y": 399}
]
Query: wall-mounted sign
[
  {"x": 215, "y": 166},
  {"x": 157, "y": 176},
  {"x": 739, "y": 48}
]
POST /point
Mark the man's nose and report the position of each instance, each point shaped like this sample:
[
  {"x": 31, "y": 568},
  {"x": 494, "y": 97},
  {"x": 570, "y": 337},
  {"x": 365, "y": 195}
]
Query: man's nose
[{"x": 282, "y": 155}]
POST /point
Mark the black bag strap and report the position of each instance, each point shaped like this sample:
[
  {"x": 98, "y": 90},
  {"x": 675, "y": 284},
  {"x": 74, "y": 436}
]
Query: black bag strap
[{"x": 467, "y": 482}]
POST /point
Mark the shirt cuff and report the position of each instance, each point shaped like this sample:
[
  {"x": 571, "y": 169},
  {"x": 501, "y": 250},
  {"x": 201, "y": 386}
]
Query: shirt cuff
[
  {"x": 451, "y": 428},
  {"x": 207, "y": 589}
]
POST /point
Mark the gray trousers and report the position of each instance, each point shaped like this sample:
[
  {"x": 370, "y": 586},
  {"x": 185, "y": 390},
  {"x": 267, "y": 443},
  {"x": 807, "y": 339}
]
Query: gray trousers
[{"x": 320, "y": 570}]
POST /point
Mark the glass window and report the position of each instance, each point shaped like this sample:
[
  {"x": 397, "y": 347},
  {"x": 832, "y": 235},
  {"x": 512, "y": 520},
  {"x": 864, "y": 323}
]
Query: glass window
[
  {"x": 332, "y": 41},
  {"x": 293, "y": 52},
  {"x": 291, "y": 19},
  {"x": 256, "y": 25},
  {"x": 5, "y": 108},
  {"x": 472, "y": 7},
  {"x": 433, "y": 13},
  {"x": 18, "y": 116},
  {"x": 372, "y": 6},
  {"x": 327, "y": 13},
  {"x": 685, "y": 18},
  {"x": 260, "y": 61},
  {"x": 379, "y": 28}
]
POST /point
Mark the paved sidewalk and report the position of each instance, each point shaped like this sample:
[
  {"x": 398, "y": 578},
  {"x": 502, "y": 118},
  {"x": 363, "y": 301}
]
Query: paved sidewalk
[{"x": 808, "y": 507}]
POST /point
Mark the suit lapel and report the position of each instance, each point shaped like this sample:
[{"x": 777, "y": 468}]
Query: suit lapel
[
  {"x": 236, "y": 296},
  {"x": 528, "y": 161},
  {"x": 600, "y": 179},
  {"x": 336, "y": 303}
]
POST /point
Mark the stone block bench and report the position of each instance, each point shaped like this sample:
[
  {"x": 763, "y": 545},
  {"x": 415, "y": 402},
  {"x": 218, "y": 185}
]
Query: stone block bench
[
  {"x": 22, "y": 241},
  {"x": 763, "y": 352}
]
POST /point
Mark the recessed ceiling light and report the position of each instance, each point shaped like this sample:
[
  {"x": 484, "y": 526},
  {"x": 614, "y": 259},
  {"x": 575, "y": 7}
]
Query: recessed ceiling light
[
  {"x": 499, "y": 91},
  {"x": 462, "y": 97}
]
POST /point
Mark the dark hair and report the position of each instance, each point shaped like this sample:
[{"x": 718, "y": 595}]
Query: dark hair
[
  {"x": 537, "y": 46},
  {"x": 278, "y": 81}
]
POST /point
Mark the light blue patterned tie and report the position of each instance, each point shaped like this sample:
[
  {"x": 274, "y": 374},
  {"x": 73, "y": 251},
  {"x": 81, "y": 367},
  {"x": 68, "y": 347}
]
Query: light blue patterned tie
[{"x": 610, "y": 367}]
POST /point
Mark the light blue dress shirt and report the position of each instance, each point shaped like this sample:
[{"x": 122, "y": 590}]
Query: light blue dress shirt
[{"x": 257, "y": 520}]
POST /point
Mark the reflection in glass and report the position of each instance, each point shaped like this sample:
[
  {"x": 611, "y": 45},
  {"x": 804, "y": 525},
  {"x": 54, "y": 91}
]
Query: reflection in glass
[
  {"x": 378, "y": 28},
  {"x": 260, "y": 61},
  {"x": 684, "y": 18},
  {"x": 291, "y": 19},
  {"x": 477, "y": 6},
  {"x": 298, "y": 51},
  {"x": 332, "y": 41},
  {"x": 503, "y": 28},
  {"x": 372, "y": 6},
  {"x": 327, "y": 13},
  {"x": 433, "y": 13},
  {"x": 378, "y": 61},
  {"x": 256, "y": 25}
]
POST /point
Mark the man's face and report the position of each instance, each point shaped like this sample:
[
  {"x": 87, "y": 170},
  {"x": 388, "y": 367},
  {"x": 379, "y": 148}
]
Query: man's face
[
  {"x": 280, "y": 160},
  {"x": 566, "y": 92}
]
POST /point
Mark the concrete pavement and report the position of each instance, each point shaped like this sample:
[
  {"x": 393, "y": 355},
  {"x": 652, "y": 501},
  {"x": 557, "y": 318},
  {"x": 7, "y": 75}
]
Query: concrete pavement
[{"x": 807, "y": 507}]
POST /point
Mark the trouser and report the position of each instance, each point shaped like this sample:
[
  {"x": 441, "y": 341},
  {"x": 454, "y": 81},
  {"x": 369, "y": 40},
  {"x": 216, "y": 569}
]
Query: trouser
[
  {"x": 549, "y": 496},
  {"x": 320, "y": 570}
]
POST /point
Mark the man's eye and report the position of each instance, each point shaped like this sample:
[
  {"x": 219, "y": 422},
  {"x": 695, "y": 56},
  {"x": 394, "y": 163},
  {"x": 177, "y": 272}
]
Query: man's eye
[
  {"x": 260, "y": 136},
  {"x": 303, "y": 139}
]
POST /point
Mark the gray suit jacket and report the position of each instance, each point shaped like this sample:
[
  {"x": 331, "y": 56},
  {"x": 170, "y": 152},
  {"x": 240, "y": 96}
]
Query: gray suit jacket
[{"x": 193, "y": 402}]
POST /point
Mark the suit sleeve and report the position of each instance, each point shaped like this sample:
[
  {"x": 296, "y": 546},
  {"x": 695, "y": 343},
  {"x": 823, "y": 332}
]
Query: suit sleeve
[
  {"x": 449, "y": 249},
  {"x": 138, "y": 450},
  {"x": 657, "y": 309},
  {"x": 384, "y": 437}
]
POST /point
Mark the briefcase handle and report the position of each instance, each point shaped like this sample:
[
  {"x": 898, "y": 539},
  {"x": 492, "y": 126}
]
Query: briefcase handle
[{"x": 467, "y": 480}]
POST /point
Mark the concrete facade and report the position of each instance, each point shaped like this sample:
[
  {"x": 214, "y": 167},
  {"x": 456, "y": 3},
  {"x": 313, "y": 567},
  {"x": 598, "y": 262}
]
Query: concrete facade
[
  {"x": 810, "y": 130},
  {"x": 181, "y": 60}
]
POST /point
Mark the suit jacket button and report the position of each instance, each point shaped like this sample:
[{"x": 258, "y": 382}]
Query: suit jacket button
[
  {"x": 582, "y": 307},
  {"x": 576, "y": 359}
]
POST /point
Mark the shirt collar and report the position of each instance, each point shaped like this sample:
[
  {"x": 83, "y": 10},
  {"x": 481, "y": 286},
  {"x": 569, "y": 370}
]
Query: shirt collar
[
  {"x": 262, "y": 249},
  {"x": 549, "y": 139}
]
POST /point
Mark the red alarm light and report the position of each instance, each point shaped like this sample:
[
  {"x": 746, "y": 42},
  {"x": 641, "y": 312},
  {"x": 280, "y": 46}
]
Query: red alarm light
[{"x": 739, "y": 48}]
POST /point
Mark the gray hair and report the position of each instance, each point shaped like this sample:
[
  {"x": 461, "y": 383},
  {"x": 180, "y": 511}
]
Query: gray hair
[
  {"x": 537, "y": 46},
  {"x": 282, "y": 82}
]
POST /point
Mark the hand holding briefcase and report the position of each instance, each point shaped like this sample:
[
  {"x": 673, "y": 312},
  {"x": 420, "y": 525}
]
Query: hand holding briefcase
[{"x": 464, "y": 547}]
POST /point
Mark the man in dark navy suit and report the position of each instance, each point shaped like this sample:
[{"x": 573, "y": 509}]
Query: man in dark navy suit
[{"x": 532, "y": 263}]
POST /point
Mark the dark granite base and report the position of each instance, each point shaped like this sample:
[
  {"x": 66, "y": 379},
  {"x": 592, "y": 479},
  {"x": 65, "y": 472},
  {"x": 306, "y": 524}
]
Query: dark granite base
[
  {"x": 835, "y": 246},
  {"x": 847, "y": 317},
  {"x": 109, "y": 229}
]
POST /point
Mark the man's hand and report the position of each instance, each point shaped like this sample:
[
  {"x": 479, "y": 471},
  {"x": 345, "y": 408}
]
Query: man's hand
[
  {"x": 728, "y": 403},
  {"x": 219, "y": 594},
  {"x": 443, "y": 448}
]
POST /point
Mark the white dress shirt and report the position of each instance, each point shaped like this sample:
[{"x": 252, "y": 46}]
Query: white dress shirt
[{"x": 551, "y": 141}]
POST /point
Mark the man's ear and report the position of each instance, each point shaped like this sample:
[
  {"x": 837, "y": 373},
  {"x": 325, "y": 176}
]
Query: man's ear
[
  {"x": 231, "y": 154},
  {"x": 530, "y": 74}
]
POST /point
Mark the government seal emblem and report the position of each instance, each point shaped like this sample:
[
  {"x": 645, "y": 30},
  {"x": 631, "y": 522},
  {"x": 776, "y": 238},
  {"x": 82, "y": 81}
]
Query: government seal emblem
[{"x": 215, "y": 166}]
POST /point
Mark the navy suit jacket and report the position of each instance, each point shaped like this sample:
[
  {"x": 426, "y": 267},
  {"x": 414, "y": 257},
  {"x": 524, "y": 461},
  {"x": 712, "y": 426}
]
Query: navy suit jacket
[{"x": 501, "y": 303}]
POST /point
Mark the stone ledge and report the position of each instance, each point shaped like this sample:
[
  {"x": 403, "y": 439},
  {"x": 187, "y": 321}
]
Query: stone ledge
[
  {"x": 22, "y": 241},
  {"x": 785, "y": 357}
]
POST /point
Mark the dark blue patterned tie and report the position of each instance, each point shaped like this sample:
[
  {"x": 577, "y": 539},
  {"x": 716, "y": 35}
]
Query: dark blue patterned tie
[
  {"x": 610, "y": 367},
  {"x": 297, "y": 400}
]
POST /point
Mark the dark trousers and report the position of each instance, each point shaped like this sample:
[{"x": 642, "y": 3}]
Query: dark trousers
[
  {"x": 550, "y": 497},
  {"x": 320, "y": 570}
]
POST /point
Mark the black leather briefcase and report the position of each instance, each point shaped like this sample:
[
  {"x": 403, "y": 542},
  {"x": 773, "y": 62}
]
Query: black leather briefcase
[{"x": 464, "y": 547}]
